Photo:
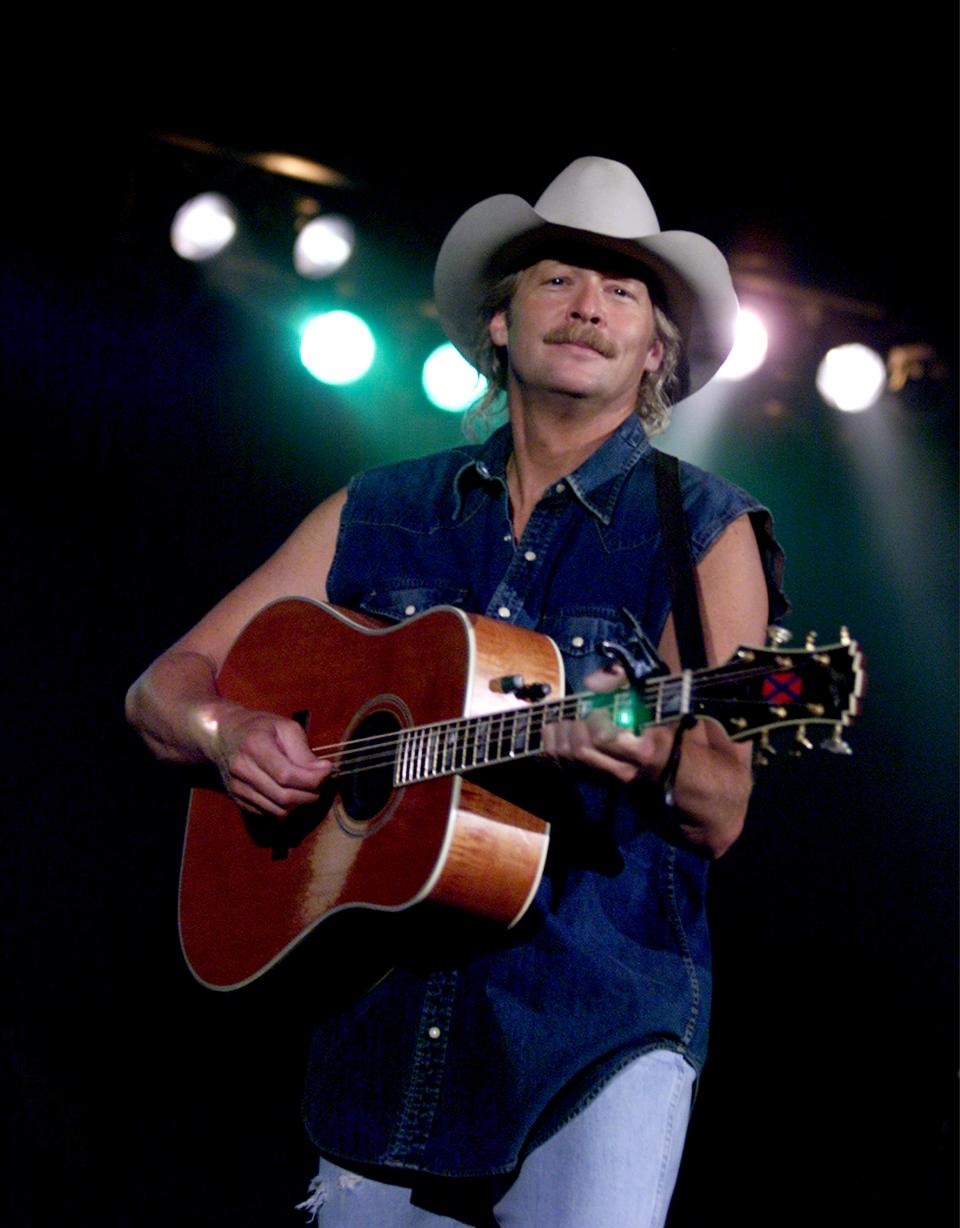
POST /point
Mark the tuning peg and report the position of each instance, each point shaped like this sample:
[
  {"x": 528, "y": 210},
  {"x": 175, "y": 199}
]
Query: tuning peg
[
  {"x": 835, "y": 743},
  {"x": 801, "y": 742},
  {"x": 764, "y": 749},
  {"x": 811, "y": 641},
  {"x": 778, "y": 635}
]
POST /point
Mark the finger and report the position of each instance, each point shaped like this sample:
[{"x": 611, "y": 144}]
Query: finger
[
  {"x": 247, "y": 781},
  {"x": 293, "y": 743},
  {"x": 284, "y": 757},
  {"x": 609, "y": 678},
  {"x": 598, "y": 743}
]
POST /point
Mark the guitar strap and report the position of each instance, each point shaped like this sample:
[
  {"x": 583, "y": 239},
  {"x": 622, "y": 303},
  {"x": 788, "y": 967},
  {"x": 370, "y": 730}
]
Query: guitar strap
[
  {"x": 683, "y": 596},
  {"x": 676, "y": 543}
]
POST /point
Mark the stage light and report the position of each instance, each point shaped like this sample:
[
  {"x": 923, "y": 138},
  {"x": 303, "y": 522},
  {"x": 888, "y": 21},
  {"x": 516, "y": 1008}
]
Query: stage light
[
  {"x": 851, "y": 377},
  {"x": 323, "y": 247},
  {"x": 203, "y": 226},
  {"x": 337, "y": 347},
  {"x": 749, "y": 347},
  {"x": 449, "y": 381}
]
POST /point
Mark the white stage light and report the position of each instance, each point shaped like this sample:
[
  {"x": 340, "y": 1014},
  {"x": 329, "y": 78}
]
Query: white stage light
[
  {"x": 851, "y": 377},
  {"x": 203, "y": 226},
  {"x": 749, "y": 347},
  {"x": 323, "y": 247}
]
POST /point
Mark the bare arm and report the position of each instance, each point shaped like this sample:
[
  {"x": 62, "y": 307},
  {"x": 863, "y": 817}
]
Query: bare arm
[
  {"x": 714, "y": 779},
  {"x": 264, "y": 760}
]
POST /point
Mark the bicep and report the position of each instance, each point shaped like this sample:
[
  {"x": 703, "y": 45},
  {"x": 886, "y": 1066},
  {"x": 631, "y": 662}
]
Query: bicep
[{"x": 299, "y": 568}]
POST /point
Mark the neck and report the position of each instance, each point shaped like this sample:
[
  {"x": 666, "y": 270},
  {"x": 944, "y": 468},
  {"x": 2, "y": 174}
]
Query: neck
[{"x": 551, "y": 440}]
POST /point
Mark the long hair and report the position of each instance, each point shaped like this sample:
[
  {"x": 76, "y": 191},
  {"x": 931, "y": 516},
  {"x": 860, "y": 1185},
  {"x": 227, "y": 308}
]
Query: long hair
[{"x": 658, "y": 389}]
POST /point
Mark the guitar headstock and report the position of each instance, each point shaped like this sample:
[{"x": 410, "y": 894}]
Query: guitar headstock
[{"x": 762, "y": 689}]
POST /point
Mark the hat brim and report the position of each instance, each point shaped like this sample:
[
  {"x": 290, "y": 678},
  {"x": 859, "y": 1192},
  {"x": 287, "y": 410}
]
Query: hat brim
[{"x": 504, "y": 234}]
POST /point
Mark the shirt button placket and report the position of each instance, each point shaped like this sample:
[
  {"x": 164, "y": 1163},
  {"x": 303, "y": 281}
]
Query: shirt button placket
[
  {"x": 415, "y": 1121},
  {"x": 510, "y": 600}
]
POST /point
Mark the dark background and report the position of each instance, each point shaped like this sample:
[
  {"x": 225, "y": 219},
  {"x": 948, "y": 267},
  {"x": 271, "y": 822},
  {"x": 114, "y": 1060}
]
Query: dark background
[{"x": 162, "y": 439}]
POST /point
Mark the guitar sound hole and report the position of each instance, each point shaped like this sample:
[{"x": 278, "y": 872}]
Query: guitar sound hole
[{"x": 365, "y": 793}]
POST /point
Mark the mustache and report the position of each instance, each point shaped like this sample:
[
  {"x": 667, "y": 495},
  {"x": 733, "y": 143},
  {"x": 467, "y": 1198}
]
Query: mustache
[{"x": 582, "y": 334}]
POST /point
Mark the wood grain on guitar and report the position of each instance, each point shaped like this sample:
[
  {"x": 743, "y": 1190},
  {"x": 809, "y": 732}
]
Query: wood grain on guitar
[{"x": 405, "y": 711}]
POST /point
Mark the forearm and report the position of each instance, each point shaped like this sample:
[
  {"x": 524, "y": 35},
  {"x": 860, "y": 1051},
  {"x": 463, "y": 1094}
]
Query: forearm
[
  {"x": 710, "y": 795},
  {"x": 175, "y": 706}
]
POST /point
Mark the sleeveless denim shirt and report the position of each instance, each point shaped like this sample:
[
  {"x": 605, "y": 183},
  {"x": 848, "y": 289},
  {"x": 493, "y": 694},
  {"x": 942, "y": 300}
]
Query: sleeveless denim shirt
[{"x": 461, "y": 1060}]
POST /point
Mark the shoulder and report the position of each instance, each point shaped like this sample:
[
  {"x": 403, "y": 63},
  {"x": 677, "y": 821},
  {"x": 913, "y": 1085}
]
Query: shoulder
[
  {"x": 717, "y": 509},
  {"x": 712, "y": 504}
]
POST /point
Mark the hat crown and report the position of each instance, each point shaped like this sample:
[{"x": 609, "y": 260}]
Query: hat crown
[{"x": 601, "y": 196}]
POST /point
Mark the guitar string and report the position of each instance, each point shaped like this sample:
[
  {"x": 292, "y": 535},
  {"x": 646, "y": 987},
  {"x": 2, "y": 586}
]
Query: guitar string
[
  {"x": 667, "y": 688},
  {"x": 435, "y": 739}
]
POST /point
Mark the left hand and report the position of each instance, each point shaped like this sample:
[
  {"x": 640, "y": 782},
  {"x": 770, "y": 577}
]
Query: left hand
[
  {"x": 598, "y": 743},
  {"x": 714, "y": 775}
]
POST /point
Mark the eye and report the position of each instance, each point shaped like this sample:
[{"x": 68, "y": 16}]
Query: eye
[{"x": 622, "y": 292}]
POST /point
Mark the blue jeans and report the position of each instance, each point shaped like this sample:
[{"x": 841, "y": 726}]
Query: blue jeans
[{"x": 614, "y": 1165}]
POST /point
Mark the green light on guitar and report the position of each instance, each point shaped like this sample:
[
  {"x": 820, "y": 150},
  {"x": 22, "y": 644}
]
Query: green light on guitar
[{"x": 629, "y": 711}]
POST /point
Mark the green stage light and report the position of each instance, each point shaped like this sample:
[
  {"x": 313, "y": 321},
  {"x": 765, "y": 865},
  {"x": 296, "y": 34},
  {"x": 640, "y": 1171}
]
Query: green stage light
[
  {"x": 337, "y": 347},
  {"x": 449, "y": 381}
]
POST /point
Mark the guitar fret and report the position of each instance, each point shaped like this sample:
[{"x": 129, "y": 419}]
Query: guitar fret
[
  {"x": 521, "y": 732},
  {"x": 400, "y": 765},
  {"x": 460, "y": 746},
  {"x": 507, "y": 733},
  {"x": 447, "y": 755},
  {"x": 414, "y": 756},
  {"x": 480, "y": 743},
  {"x": 421, "y": 765},
  {"x": 511, "y": 732}
]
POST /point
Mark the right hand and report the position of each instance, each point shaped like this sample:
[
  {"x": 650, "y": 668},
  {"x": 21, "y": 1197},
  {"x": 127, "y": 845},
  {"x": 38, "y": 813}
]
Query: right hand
[{"x": 264, "y": 760}]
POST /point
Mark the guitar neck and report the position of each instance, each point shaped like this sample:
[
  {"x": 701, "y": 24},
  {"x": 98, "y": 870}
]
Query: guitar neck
[{"x": 755, "y": 691}]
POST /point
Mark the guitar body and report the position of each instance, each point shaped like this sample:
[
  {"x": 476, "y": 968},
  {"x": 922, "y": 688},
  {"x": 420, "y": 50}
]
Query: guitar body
[{"x": 251, "y": 887}]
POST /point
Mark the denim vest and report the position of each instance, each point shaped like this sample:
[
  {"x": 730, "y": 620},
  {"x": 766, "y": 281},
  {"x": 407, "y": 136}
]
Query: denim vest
[{"x": 464, "y": 1058}]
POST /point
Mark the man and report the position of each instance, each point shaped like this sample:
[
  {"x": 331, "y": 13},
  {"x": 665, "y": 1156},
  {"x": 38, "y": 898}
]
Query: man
[{"x": 541, "y": 1077}]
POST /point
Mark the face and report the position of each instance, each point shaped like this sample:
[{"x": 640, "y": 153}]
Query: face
[{"x": 579, "y": 332}]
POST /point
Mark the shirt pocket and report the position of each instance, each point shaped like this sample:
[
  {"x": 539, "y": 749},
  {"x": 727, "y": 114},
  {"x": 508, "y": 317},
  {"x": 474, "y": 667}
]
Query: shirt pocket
[
  {"x": 402, "y": 598},
  {"x": 580, "y": 631}
]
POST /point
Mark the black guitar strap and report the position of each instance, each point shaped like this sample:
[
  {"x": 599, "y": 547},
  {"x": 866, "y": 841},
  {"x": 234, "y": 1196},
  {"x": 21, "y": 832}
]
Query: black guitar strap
[{"x": 676, "y": 543}]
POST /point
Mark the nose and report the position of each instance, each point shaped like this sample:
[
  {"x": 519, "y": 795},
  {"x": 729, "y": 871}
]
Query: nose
[{"x": 586, "y": 304}]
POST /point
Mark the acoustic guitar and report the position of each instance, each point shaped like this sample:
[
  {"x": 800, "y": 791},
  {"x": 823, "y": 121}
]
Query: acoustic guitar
[{"x": 406, "y": 712}]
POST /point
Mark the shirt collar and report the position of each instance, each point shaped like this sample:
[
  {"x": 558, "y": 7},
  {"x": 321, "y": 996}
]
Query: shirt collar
[{"x": 596, "y": 483}]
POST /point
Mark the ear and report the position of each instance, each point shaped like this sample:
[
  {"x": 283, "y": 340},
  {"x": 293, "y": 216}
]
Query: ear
[
  {"x": 654, "y": 356},
  {"x": 498, "y": 328}
]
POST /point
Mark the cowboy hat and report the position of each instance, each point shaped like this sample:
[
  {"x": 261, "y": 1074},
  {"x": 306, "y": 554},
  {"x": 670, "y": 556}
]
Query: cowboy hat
[{"x": 593, "y": 203}]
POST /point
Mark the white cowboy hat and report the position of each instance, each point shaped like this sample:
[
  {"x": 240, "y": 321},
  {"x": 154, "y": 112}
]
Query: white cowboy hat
[{"x": 594, "y": 203}]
